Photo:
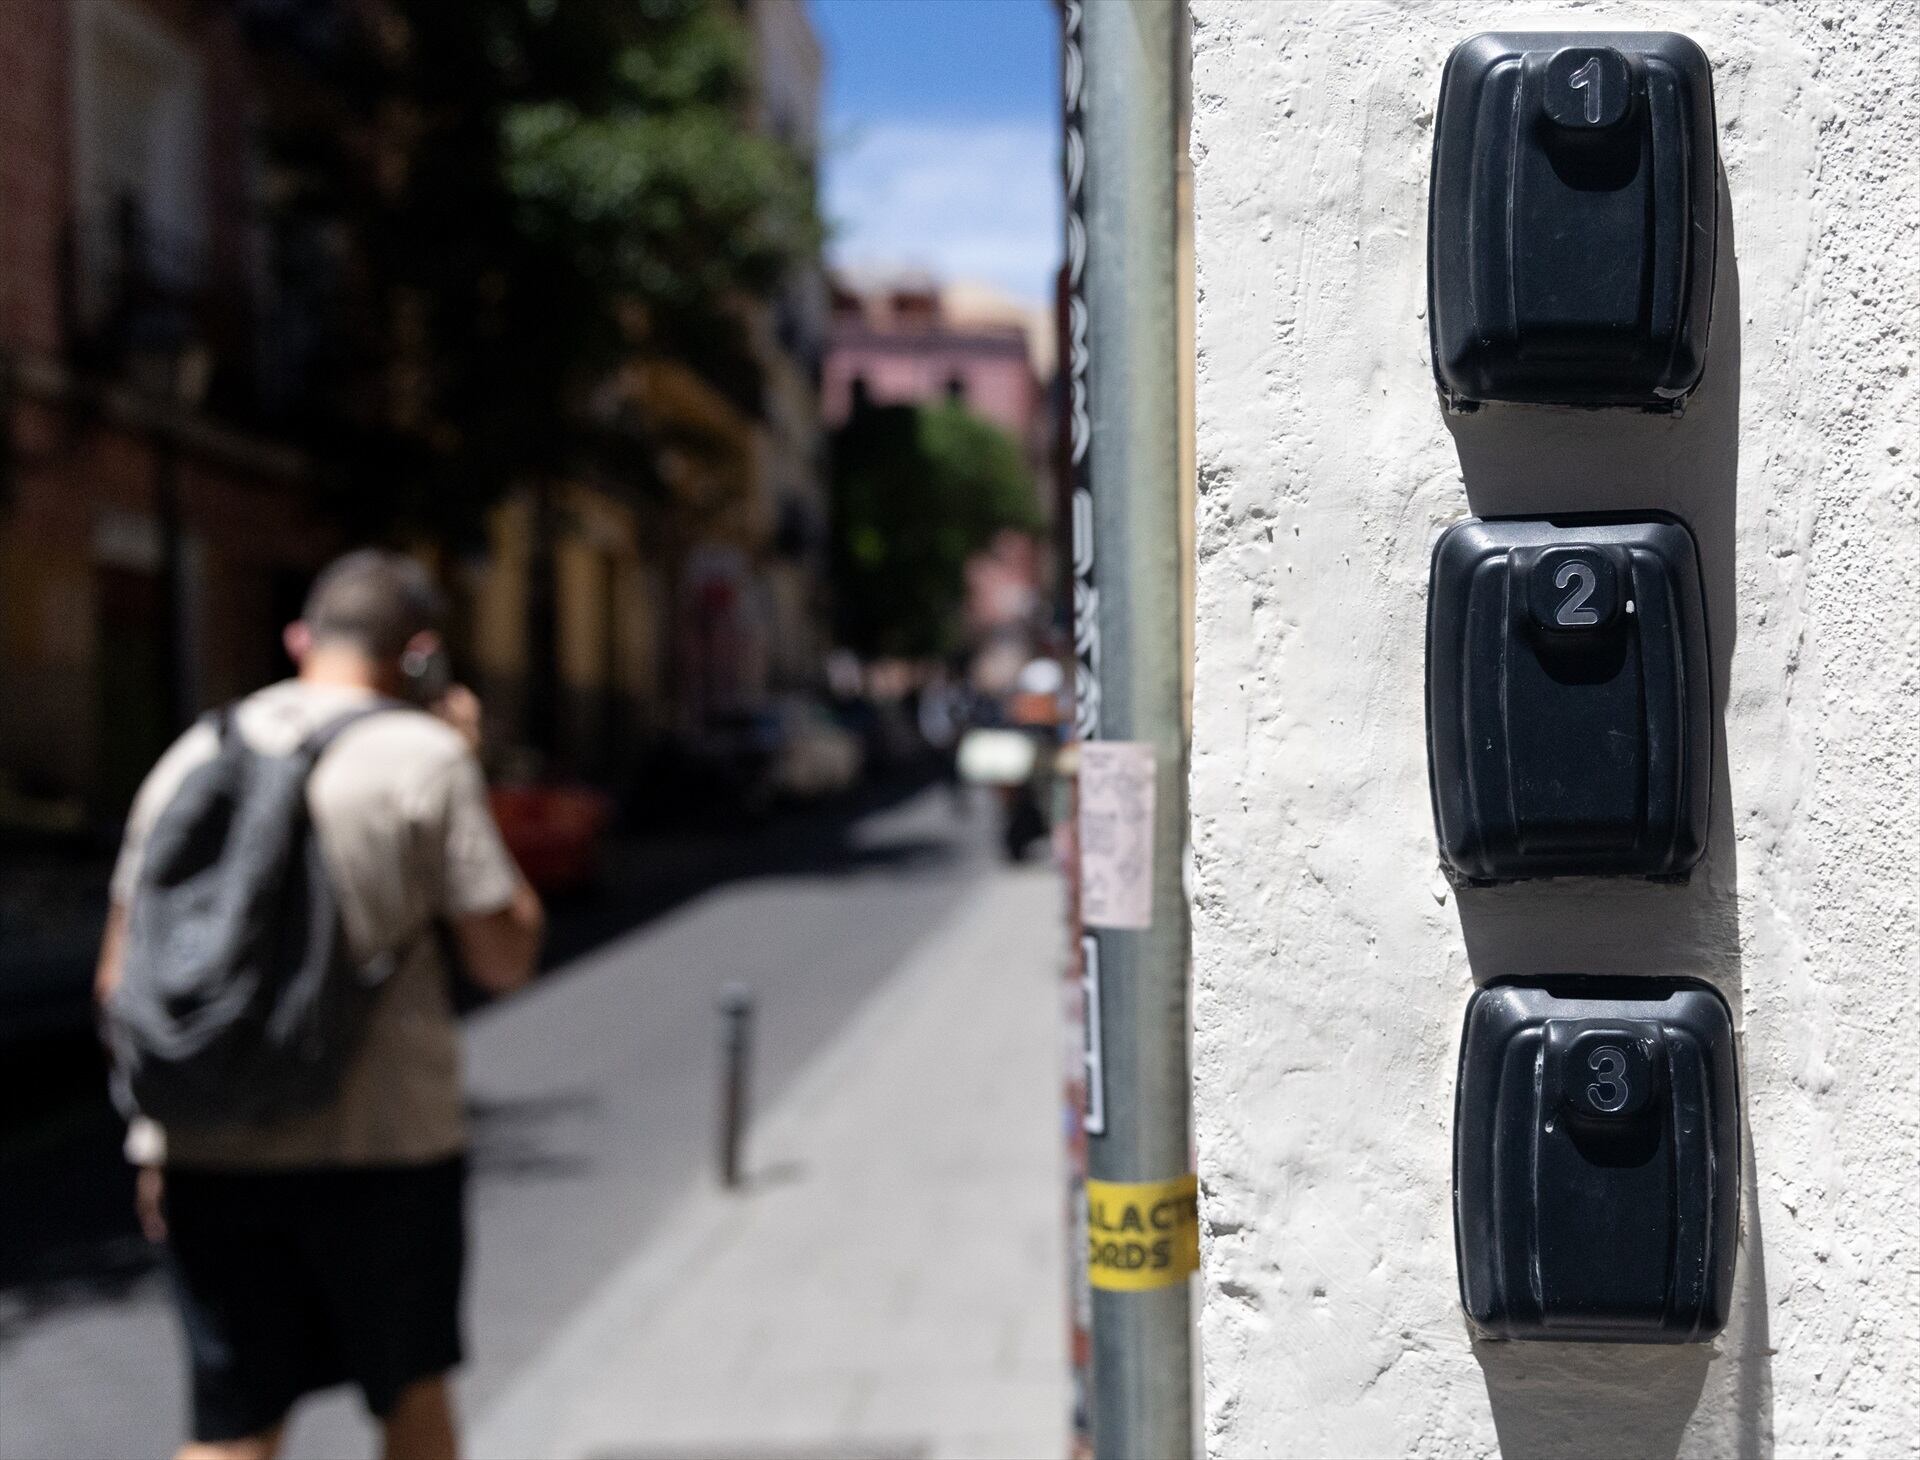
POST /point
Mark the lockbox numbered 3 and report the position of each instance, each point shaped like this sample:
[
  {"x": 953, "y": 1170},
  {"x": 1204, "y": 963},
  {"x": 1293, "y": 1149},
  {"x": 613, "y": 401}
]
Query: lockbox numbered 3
[{"x": 1597, "y": 1160}]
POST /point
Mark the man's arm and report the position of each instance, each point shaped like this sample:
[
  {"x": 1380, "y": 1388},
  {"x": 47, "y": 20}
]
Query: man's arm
[
  {"x": 146, "y": 1144},
  {"x": 501, "y": 950},
  {"x": 113, "y": 944},
  {"x": 496, "y": 917}
]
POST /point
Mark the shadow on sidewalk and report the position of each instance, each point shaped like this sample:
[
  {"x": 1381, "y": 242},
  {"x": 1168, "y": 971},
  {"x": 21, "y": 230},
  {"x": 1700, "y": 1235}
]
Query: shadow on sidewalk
[{"x": 508, "y": 1138}]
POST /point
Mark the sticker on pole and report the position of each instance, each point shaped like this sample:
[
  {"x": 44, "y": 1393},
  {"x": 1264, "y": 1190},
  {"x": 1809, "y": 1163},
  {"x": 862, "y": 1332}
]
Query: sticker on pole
[
  {"x": 1142, "y": 1234},
  {"x": 1116, "y": 834}
]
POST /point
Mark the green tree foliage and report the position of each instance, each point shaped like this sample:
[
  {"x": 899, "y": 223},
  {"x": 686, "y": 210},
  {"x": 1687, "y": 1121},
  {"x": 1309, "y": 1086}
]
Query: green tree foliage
[
  {"x": 509, "y": 199},
  {"x": 917, "y": 490}
]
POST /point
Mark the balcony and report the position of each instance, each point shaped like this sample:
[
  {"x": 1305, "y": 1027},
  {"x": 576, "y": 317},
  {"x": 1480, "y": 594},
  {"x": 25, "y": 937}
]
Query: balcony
[
  {"x": 143, "y": 309},
  {"x": 240, "y": 334}
]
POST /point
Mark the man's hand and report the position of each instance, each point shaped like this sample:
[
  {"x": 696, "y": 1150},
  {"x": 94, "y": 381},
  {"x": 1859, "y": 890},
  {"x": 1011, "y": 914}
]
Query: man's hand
[
  {"x": 149, "y": 1201},
  {"x": 460, "y": 708},
  {"x": 113, "y": 947},
  {"x": 500, "y": 951}
]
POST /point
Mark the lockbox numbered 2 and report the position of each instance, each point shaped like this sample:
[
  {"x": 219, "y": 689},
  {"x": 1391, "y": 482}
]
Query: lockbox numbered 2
[{"x": 1569, "y": 703}]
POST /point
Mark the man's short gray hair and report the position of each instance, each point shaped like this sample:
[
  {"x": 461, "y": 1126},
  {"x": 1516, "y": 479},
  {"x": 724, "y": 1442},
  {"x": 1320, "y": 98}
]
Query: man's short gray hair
[{"x": 374, "y": 600}]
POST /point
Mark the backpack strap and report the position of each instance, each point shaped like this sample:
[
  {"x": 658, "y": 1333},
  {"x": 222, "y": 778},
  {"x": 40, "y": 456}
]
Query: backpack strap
[
  {"x": 315, "y": 745},
  {"x": 220, "y": 720},
  {"x": 386, "y": 962}
]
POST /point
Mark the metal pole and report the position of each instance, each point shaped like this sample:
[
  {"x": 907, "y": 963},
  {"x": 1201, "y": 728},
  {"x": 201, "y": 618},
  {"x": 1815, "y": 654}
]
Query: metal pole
[
  {"x": 736, "y": 1012},
  {"x": 1131, "y": 667}
]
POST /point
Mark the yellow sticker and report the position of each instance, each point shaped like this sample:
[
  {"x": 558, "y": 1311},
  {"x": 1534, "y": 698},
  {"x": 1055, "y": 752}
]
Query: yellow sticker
[{"x": 1142, "y": 1234}]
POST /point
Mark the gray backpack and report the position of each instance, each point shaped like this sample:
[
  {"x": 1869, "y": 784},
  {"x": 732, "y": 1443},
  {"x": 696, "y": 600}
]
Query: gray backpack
[{"x": 238, "y": 998}]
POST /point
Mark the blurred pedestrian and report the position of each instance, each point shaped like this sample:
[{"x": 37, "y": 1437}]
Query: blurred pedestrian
[
  {"x": 310, "y": 1189},
  {"x": 941, "y": 713}
]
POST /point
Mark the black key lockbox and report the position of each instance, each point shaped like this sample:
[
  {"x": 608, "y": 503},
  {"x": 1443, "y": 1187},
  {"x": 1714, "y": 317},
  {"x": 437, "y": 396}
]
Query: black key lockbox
[
  {"x": 1572, "y": 219},
  {"x": 1596, "y": 1169},
  {"x": 1569, "y": 714}
]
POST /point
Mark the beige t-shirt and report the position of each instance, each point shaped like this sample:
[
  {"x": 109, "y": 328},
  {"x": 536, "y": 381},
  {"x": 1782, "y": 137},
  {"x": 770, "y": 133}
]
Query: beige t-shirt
[{"x": 400, "y": 808}]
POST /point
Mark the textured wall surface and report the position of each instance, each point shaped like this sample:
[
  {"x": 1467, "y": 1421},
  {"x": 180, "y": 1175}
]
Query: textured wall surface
[{"x": 1333, "y": 962}]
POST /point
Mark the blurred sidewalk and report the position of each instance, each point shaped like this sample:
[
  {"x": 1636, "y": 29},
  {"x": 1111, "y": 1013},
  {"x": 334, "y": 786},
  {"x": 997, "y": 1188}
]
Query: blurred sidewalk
[{"x": 891, "y": 1281}]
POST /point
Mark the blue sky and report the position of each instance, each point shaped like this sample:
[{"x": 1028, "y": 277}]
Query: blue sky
[{"x": 942, "y": 129}]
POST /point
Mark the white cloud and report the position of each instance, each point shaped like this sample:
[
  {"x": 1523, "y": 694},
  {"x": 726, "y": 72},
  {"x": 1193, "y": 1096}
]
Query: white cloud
[{"x": 974, "y": 201}]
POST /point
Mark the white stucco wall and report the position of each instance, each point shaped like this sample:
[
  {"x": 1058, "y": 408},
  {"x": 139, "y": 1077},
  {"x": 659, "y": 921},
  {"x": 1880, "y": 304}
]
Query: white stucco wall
[{"x": 1332, "y": 961}]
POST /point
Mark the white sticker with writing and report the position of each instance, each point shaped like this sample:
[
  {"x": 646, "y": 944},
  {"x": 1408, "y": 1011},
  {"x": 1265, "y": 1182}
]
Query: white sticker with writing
[{"x": 1116, "y": 834}]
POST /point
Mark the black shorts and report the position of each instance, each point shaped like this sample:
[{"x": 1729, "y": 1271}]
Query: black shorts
[{"x": 292, "y": 1281}]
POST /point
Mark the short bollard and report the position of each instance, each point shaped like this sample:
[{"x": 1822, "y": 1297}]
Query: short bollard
[{"x": 736, "y": 1013}]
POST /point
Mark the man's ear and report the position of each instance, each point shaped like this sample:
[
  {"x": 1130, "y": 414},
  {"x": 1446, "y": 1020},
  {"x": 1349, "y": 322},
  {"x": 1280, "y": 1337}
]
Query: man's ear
[
  {"x": 421, "y": 647},
  {"x": 297, "y": 639}
]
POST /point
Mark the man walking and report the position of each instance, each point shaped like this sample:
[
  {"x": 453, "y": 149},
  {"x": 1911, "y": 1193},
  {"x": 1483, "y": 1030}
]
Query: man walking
[{"x": 325, "y": 1244}]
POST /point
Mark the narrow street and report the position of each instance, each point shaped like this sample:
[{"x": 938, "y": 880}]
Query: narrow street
[{"x": 594, "y": 1102}]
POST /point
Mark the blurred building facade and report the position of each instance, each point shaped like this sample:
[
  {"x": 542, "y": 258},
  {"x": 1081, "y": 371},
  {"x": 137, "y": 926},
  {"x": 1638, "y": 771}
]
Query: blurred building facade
[
  {"x": 153, "y": 527},
  {"x": 156, "y": 525},
  {"x": 790, "y": 334},
  {"x": 670, "y": 610}
]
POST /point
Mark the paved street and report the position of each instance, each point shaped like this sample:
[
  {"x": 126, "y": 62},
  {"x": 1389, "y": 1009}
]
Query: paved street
[
  {"x": 892, "y": 1280},
  {"x": 594, "y": 1098}
]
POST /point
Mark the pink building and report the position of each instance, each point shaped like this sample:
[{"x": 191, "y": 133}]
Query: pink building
[{"x": 902, "y": 343}]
